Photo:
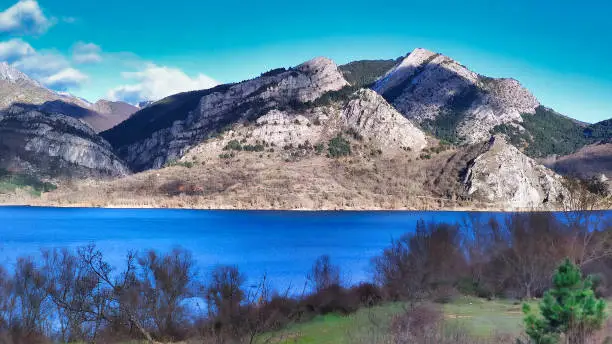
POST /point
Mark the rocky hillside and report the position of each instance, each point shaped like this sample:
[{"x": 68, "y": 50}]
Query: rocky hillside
[
  {"x": 451, "y": 101},
  {"x": 502, "y": 174},
  {"x": 53, "y": 145},
  {"x": 18, "y": 88}
]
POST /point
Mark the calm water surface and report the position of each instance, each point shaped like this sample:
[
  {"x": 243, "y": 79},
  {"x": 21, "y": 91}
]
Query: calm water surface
[{"x": 282, "y": 245}]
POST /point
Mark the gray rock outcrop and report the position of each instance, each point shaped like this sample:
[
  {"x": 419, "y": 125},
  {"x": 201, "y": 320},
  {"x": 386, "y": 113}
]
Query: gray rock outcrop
[
  {"x": 371, "y": 116},
  {"x": 503, "y": 175}
]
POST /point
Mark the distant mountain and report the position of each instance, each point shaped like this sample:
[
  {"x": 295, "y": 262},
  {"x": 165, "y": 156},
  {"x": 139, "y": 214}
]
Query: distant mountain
[
  {"x": 53, "y": 145},
  {"x": 364, "y": 73},
  {"x": 589, "y": 161},
  {"x": 18, "y": 88}
]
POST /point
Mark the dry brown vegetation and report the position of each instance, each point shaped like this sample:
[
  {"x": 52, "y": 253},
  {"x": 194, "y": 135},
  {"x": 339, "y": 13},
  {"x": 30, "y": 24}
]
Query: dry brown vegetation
[{"x": 284, "y": 179}]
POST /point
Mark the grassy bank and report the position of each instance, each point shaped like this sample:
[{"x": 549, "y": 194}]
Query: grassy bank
[
  {"x": 11, "y": 182},
  {"x": 480, "y": 317}
]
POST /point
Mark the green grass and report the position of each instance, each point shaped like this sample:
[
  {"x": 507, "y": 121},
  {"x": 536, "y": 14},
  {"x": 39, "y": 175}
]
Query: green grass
[
  {"x": 11, "y": 182},
  {"x": 335, "y": 329},
  {"x": 481, "y": 317},
  {"x": 484, "y": 318}
]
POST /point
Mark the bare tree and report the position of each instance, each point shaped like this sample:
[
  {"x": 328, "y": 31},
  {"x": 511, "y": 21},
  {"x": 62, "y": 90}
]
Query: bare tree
[
  {"x": 121, "y": 292},
  {"x": 324, "y": 274},
  {"x": 421, "y": 262},
  {"x": 167, "y": 281},
  {"x": 29, "y": 289}
]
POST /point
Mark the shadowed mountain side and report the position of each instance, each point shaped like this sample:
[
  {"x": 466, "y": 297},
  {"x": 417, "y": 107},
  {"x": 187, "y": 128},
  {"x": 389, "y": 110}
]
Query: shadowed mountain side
[{"x": 54, "y": 145}]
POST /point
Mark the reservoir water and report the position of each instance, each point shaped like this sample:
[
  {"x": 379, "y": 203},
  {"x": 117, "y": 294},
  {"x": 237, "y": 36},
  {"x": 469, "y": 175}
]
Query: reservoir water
[{"x": 280, "y": 244}]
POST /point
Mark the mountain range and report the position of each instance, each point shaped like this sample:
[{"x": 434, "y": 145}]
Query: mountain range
[{"x": 421, "y": 131}]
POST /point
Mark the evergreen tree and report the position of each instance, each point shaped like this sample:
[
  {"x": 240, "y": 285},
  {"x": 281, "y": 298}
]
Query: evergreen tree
[{"x": 569, "y": 310}]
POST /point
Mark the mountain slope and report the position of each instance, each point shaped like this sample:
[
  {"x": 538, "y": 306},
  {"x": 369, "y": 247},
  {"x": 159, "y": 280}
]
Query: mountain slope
[
  {"x": 18, "y": 88},
  {"x": 364, "y": 73},
  {"x": 590, "y": 161},
  {"x": 451, "y": 101},
  {"x": 548, "y": 133},
  {"x": 53, "y": 145}
]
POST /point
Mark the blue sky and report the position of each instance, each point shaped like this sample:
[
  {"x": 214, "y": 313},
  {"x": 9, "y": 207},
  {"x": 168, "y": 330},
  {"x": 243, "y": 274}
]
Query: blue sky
[{"x": 134, "y": 49}]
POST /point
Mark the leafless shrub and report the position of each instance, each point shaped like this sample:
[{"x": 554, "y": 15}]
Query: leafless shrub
[{"x": 324, "y": 274}]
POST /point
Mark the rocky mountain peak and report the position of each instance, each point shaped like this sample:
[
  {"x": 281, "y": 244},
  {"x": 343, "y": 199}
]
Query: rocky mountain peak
[
  {"x": 12, "y": 74},
  {"x": 450, "y": 100}
]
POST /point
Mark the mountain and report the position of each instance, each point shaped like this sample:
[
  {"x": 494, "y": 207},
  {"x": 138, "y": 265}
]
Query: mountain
[
  {"x": 168, "y": 128},
  {"x": 449, "y": 100},
  {"x": 307, "y": 138},
  {"x": 18, "y": 88},
  {"x": 54, "y": 145}
]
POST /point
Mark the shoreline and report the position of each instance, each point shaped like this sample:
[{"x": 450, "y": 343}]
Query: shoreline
[{"x": 303, "y": 210}]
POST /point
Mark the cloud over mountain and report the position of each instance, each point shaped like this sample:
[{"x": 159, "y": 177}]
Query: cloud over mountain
[
  {"x": 156, "y": 82},
  {"x": 48, "y": 67},
  {"x": 15, "y": 49},
  {"x": 24, "y": 18}
]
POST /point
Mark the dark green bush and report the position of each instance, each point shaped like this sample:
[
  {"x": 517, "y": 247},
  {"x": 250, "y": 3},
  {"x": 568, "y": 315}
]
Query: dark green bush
[{"x": 338, "y": 146}]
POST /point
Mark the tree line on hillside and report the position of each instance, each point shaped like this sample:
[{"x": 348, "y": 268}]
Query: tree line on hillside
[{"x": 77, "y": 296}]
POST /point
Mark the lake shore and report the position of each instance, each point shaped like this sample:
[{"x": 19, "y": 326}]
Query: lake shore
[{"x": 178, "y": 206}]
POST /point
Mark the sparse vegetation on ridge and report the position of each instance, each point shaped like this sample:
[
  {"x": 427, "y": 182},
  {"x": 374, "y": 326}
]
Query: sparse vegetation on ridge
[
  {"x": 548, "y": 132},
  {"x": 10, "y": 182}
]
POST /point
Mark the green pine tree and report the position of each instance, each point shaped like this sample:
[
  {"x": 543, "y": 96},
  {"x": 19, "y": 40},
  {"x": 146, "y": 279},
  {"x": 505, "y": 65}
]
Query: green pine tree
[{"x": 569, "y": 311}]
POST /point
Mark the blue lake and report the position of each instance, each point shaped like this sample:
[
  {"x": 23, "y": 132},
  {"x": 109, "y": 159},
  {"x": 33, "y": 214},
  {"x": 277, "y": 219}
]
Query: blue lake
[{"x": 282, "y": 245}]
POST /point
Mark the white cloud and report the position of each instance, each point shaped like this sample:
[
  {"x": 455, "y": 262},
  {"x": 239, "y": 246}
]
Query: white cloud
[
  {"x": 42, "y": 64},
  {"x": 86, "y": 53},
  {"x": 65, "y": 79},
  {"x": 14, "y": 49},
  {"x": 24, "y": 17},
  {"x": 156, "y": 82}
]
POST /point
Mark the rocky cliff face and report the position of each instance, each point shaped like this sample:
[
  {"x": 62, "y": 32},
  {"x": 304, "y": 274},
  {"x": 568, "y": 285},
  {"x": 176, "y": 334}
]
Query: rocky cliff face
[
  {"x": 18, "y": 88},
  {"x": 54, "y": 145},
  {"x": 502, "y": 174},
  {"x": 450, "y": 100},
  {"x": 372, "y": 117},
  {"x": 228, "y": 104},
  {"x": 364, "y": 114}
]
